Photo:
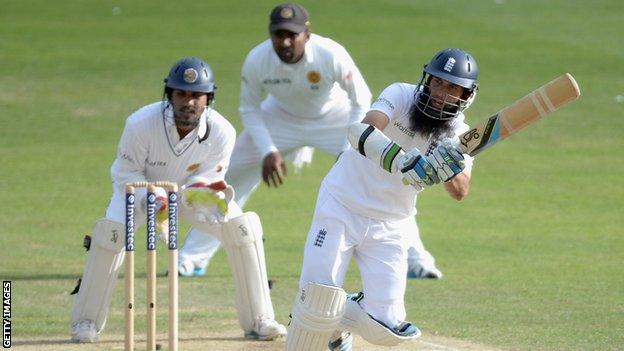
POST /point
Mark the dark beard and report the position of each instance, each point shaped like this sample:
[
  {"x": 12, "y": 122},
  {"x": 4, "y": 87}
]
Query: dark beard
[{"x": 426, "y": 126}]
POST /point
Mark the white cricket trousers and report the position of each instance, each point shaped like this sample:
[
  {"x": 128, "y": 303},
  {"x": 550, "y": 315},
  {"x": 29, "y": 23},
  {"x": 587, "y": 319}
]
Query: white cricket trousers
[{"x": 378, "y": 247}]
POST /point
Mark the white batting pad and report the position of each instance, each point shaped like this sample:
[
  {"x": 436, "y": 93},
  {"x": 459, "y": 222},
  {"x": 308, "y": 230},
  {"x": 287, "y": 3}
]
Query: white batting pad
[
  {"x": 242, "y": 241},
  {"x": 356, "y": 320},
  {"x": 100, "y": 274},
  {"x": 316, "y": 315}
]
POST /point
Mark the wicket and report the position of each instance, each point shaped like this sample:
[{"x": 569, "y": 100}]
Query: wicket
[{"x": 172, "y": 196}]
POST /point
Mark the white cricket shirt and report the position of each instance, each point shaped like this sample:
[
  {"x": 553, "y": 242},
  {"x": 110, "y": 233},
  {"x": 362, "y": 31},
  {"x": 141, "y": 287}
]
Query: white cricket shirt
[
  {"x": 150, "y": 148},
  {"x": 309, "y": 89},
  {"x": 362, "y": 185}
]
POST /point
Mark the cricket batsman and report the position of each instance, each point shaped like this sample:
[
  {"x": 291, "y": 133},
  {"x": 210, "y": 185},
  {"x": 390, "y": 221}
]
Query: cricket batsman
[
  {"x": 367, "y": 202},
  {"x": 181, "y": 139}
]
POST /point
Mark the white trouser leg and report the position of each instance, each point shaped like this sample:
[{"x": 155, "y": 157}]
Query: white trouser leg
[
  {"x": 244, "y": 173},
  {"x": 417, "y": 255},
  {"x": 328, "y": 248},
  {"x": 198, "y": 249},
  {"x": 382, "y": 260}
]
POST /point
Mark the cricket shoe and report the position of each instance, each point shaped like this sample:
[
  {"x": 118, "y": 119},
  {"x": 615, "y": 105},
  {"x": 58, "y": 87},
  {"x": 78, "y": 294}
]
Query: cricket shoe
[
  {"x": 188, "y": 269},
  {"x": 341, "y": 341},
  {"x": 420, "y": 272},
  {"x": 265, "y": 329},
  {"x": 407, "y": 329},
  {"x": 84, "y": 331}
]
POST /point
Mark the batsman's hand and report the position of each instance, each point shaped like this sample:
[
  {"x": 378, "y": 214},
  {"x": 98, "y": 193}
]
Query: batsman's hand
[
  {"x": 274, "y": 169},
  {"x": 447, "y": 159},
  {"x": 208, "y": 201},
  {"x": 416, "y": 170}
]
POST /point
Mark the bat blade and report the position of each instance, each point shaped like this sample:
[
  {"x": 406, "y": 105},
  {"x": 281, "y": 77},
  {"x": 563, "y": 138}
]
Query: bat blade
[{"x": 513, "y": 118}]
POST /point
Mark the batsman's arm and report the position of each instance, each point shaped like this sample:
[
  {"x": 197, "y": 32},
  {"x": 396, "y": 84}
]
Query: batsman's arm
[
  {"x": 459, "y": 186},
  {"x": 369, "y": 140}
]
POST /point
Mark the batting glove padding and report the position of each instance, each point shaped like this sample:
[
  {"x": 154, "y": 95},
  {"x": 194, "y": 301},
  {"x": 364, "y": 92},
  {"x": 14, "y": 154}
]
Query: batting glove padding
[
  {"x": 447, "y": 160},
  {"x": 416, "y": 170}
]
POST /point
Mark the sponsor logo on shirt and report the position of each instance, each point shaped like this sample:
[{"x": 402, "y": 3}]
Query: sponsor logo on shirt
[
  {"x": 156, "y": 163},
  {"x": 385, "y": 101},
  {"x": 403, "y": 129},
  {"x": 126, "y": 157},
  {"x": 275, "y": 81}
]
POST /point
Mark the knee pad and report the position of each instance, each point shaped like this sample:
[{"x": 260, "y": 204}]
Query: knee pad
[
  {"x": 242, "y": 241},
  {"x": 317, "y": 312}
]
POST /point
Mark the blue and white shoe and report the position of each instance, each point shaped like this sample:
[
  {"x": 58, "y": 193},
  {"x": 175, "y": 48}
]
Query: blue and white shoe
[
  {"x": 188, "y": 269},
  {"x": 199, "y": 271},
  {"x": 341, "y": 341},
  {"x": 407, "y": 329}
]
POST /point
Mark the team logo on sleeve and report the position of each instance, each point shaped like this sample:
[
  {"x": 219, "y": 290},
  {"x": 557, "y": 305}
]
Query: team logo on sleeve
[
  {"x": 314, "y": 77},
  {"x": 190, "y": 75},
  {"x": 192, "y": 168}
]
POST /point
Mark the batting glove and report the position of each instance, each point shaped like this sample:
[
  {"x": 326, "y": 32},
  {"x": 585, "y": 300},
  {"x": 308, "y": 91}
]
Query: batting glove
[
  {"x": 416, "y": 170},
  {"x": 447, "y": 160}
]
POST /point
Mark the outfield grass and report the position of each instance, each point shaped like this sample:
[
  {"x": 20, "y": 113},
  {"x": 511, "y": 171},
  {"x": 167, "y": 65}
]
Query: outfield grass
[{"x": 532, "y": 258}]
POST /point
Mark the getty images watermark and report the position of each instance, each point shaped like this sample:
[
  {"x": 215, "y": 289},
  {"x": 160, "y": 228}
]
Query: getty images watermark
[{"x": 6, "y": 314}]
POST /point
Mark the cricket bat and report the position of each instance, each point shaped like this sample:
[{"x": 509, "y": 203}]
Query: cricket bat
[{"x": 510, "y": 120}]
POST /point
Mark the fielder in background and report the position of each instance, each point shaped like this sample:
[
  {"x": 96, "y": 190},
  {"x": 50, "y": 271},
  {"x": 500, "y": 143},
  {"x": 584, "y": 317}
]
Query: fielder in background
[
  {"x": 299, "y": 91},
  {"x": 366, "y": 207},
  {"x": 181, "y": 139}
]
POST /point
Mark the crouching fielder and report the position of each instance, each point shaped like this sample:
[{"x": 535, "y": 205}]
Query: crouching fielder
[
  {"x": 184, "y": 140},
  {"x": 366, "y": 205}
]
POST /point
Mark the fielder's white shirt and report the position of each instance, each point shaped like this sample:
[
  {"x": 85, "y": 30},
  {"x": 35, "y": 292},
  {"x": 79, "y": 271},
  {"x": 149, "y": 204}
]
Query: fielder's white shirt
[
  {"x": 362, "y": 185},
  {"x": 150, "y": 148},
  {"x": 326, "y": 76}
]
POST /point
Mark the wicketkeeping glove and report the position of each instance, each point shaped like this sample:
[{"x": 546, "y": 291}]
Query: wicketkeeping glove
[
  {"x": 447, "y": 160},
  {"x": 162, "y": 212},
  {"x": 208, "y": 201},
  {"x": 416, "y": 170}
]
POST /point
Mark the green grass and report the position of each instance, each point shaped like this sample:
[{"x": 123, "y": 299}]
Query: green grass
[{"x": 532, "y": 258}]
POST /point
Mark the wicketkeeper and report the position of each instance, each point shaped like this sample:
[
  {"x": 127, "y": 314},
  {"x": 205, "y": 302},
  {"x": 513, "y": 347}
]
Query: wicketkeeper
[{"x": 181, "y": 139}]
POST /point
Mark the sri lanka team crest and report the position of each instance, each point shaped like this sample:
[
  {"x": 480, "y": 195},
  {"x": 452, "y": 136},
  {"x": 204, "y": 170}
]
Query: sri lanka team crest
[
  {"x": 314, "y": 77},
  {"x": 190, "y": 75}
]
